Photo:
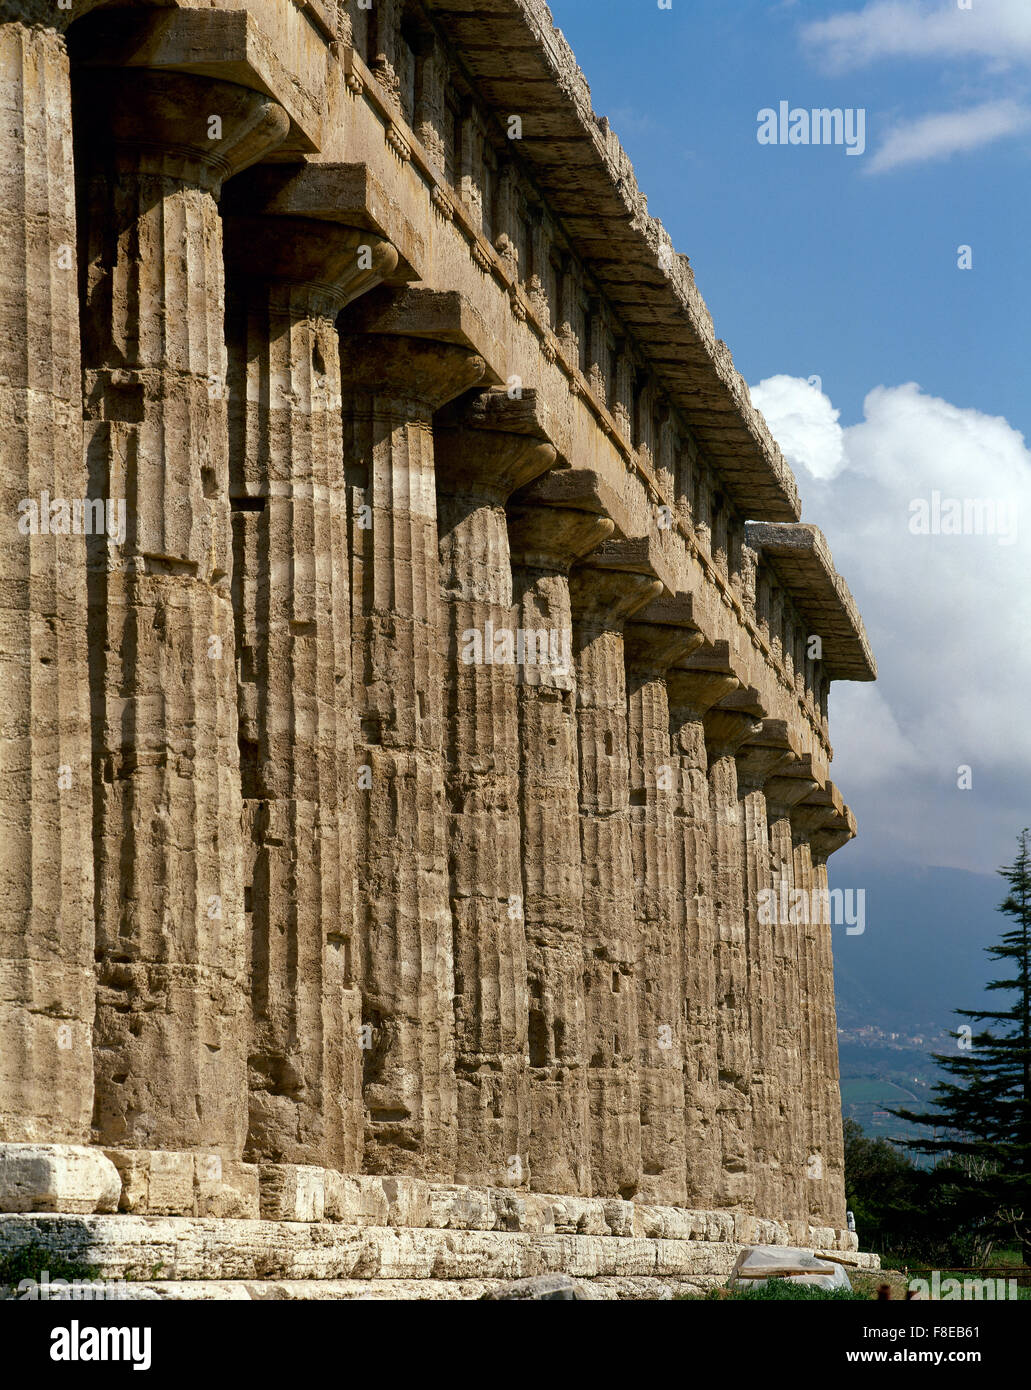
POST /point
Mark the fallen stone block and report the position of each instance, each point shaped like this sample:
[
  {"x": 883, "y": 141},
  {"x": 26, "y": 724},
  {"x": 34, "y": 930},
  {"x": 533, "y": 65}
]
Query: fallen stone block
[{"x": 758, "y": 1264}]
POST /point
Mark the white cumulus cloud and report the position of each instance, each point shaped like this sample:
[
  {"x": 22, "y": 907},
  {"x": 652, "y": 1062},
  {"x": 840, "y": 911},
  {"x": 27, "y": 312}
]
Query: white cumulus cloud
[
  {"x": 948, "y": 615},
  {"x": 807, "y": 426}
]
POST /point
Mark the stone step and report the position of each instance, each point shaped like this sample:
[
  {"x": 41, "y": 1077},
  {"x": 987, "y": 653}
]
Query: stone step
[
  {"x": 210, "y": 1248},
  {"x": 389, "y": 1290}
]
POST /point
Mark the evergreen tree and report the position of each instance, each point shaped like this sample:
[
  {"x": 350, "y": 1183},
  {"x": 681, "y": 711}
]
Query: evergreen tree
[{"x": 982, "y": 1115}]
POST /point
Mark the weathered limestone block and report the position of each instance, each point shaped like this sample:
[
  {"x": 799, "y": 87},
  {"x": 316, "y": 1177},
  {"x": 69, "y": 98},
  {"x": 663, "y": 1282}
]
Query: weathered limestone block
[
  {"x": 579, "y": 1216},
  {"x": 757, "y": 759},
  {"x": 605, "y": 591},
  {"x": 225, "y": 1187},
  {"x": 736, "y": 718},
  {"x": 56, "y": 1177},
  {"x": 393, "y": 383},
  {"x": 46, "y": 866},
  {"x": 163, "y": 1182},
  {"x": 486, "y": 448},
  {"x": 170, "y": 1048},
  {"x": 543, "y": 1288},
  {"x": 788, "y": 786},
  {"x": 291, "y": 277},
  {"x": 292, "y": 1192},
  {"x": 619, "y": 1217},
  {"x": 692, "y": 689},
  {"x": 545, "y": 541},
  {"x": 659, "y": 636},
  {"x": 460, "y": 1209}
]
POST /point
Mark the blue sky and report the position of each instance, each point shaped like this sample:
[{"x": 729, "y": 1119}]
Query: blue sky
[
  {"x": 811, "y": 264},
  {"x": 815, "y": 263}
]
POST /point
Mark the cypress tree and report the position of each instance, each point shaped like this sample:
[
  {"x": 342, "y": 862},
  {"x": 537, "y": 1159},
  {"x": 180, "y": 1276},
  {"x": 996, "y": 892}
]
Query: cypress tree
[{"x": 982, "y": 1115}]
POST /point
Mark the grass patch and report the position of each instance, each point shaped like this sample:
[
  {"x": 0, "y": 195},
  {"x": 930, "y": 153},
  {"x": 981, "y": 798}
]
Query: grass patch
[
  {"x": 29, "y": 1261},
  {"x": 779, "y": 1290}
]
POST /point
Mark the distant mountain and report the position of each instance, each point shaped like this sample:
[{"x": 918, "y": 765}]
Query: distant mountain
[
  {"x": 922, "y": 953},
  {"x": 920, "y": 958}
]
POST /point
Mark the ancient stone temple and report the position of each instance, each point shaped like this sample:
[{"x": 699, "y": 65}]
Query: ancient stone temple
[{"x": 415, "y": 677}]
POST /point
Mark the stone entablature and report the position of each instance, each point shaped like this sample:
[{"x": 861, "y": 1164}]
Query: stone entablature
[{"x": 369, "y": 377}]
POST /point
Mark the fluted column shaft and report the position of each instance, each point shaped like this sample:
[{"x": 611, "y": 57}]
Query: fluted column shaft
[
  {"x": 759, "y": 938},
  {"x": 545, "y": 541},
  {"x": 758, "y": 759},
  {"x": 812, "y": 1058},
  {"x": 392, "y": 385},
  {"x": 789, "y": 785},
  {"x": 832, "y": 1206},
  {"x": 171, "y": 1050},
  {"x": 690, "y": 695},
  {"x": 485, "y": 450},
  {"x": 724, "y": 732},
  {"x": 291, "y": 595},
  {"x": 651, "y": 650},
  {"x": 787, "y": 1005},
  {"x": 602, "y": 601},
  {"x": 733, "y": 1051},
  {"x": 46, "y": 867}
]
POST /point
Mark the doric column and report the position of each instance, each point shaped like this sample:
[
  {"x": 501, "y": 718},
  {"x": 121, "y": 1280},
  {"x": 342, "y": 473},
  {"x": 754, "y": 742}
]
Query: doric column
[
  {"x": 692, "y": 691},
  {"x": 839, "y": 828},
  {"x": 486, "y": 447},
  {"x": 289, "y": 277},
  {"x": 545, "y": 541},
  {"x": 662, "y": 634},
  {"x": 757, "y": 758},
  {"x": 790, "y": 784},
  {"x": 171, "y": 949},
  {"x": 46, "y": 866},
  {"x": 819, "y": 810},
  {"x": 393, "y": 383},
  {"x": 727, "y": 725},
  {"x": 613, "y": 583}
]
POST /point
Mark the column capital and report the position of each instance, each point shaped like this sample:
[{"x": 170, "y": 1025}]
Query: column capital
[
  {"x": 662, "y": 634},
  {"x": 558, "y": 519},
  {"x": 414, "y": 311},
  {"x": 837, "y": 829},
  {"x": 489, "y": 444},
  {"x": 737, "y": 718},
  {"x": 331, "y": 192},
  {"x": 554, "y": 538},
  {"x": 414, "y": 345},
  {"x": 619, "y": 579},
  {"x": 148, "y": 121},
  {"x": 700, "y": 681},
  {"x": 822, "y": 809},
  {"x": 823, "y": 843},
  {"x": 302, "y": 230},
  {"x": 789, "y": 785},
  {"x": 760, "y": 756},
  {"x": 413, "y": 371},
  {"x": 331, "y": 264}
]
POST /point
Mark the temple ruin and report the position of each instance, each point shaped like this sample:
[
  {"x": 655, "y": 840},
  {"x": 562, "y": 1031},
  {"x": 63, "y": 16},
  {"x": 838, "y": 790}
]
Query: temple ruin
[{"x": 387, "y": 800}]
